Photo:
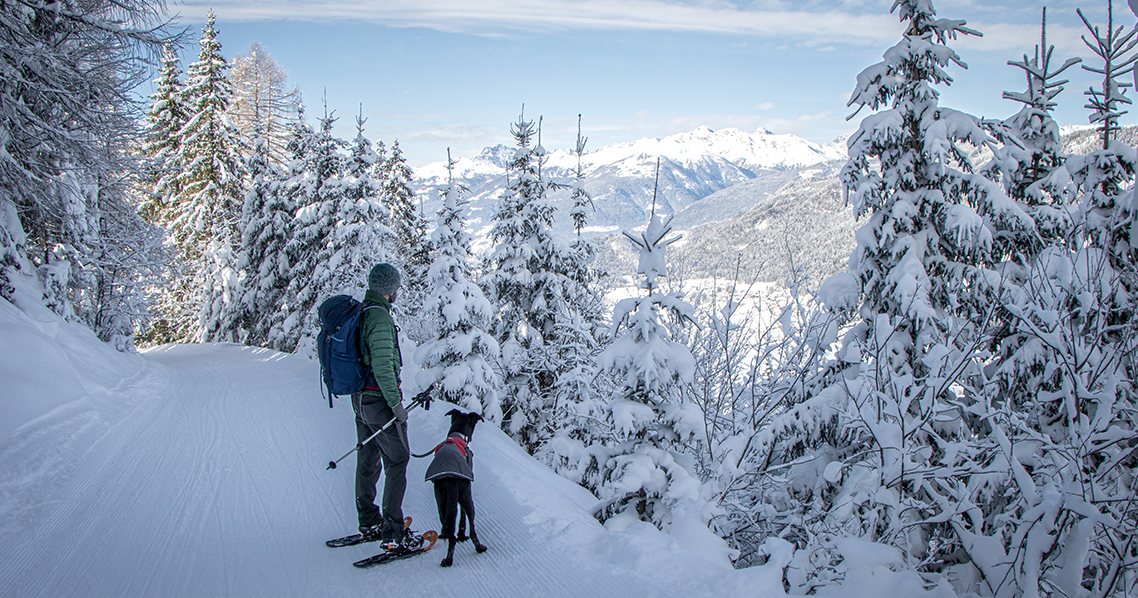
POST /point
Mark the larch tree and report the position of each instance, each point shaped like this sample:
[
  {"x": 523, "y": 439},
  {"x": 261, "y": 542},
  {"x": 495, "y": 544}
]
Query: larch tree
[
  {"x": 263, "y": 100},
  {"x": 68, "y": 117}
]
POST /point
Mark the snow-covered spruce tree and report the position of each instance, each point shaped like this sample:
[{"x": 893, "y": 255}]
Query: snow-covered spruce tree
[
  {"x": 315, "y": 188},
  {"x": 359, "y": 239},
  {"x": 460, "y": 359},
  {"x": 522, "y": 281},
  {"x": 160, "y": 148},
  {"x": 68, "y": 116},
  {"x": 1104, "y": 176},
  {"x": 264, "y": 104},
  {"x": 204, "y": 215},
  {"x": 581, "y": 334},
  {"x": 1060, "y": 459},
  {"x": 262, "y": 261},
  {"x": 925, "y": 260},
  {"x": 1030, "y": 164},
  {"x": 412, "y": 246},
  {"x": 881, "y": 443},
  {"x": 360, "y": 170},
  {"x": 643, "y": 474}
]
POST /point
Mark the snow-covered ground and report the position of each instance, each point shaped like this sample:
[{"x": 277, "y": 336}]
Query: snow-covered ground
[{"x": 200, "y": 470}]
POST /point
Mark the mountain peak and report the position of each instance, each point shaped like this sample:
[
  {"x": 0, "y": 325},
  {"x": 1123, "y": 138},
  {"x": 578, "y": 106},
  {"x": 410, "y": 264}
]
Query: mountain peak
[{"x": 761, "y": 150}]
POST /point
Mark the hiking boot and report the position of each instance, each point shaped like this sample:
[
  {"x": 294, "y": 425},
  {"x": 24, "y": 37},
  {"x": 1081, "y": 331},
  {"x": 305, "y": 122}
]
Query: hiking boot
[
  {"x": 371, "y": 531},
  {"x": 400, "y": 538}
]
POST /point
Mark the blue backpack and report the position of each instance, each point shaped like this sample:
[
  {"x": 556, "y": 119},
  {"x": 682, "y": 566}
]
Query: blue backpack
[{"x": 338, "y": 346}]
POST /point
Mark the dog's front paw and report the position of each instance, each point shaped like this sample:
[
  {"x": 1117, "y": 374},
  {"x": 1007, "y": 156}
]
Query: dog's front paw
[
  {"x": 462, "y": 537},
  {"x": 480, "y": 548},
  {"x": 446, "y": 562}
]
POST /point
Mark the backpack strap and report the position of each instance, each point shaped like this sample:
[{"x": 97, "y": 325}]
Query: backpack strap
[{"x": 363, "y": 316}]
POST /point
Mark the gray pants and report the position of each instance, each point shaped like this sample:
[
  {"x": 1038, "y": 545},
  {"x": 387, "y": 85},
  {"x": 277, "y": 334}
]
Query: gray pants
[{"x": 386, "y": 451}]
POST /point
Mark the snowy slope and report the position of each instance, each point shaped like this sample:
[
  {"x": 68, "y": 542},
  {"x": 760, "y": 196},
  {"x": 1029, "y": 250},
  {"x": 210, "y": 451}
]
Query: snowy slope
[
  {"x": 203, "y": 474},
  {"x": 200, "y": 471}
]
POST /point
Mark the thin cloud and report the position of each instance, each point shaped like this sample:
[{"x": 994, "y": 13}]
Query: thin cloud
[
  {"x": 810, "y": 23},
  {"x": 493, "y": 17}
]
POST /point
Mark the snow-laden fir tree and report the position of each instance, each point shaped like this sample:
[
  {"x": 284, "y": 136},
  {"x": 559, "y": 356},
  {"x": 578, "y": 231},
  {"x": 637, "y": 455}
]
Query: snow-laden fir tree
[
  {"x": 313, "y": 185},
  {"x": 359, "y": 239},
  {"x": 361, "y": 168},
  {"x": 1104, "y": 176},
  {"x": 160, "y": 148},
  {"x": 1032, "y": 169},
  {"x": 332, "y": 243},
  {"x": 262, "y": 260},
  {"x": 203, "y": 216},
  {"x": 1030, "y": 164},
  {"x": 879, "y": 444},
  {"x": 526, "y": 279},
  {"x": 1065, "y": 400},
  {"x": 459, "y": 361},
  {"x": 642, "y": 473},
  {"x": 925, "y": 261},
  {"x": 412, "y": 245},
  {"x": 581, "y": 334}
]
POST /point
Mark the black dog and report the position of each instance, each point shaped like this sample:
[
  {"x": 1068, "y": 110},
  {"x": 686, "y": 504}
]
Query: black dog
[{"x": 452, "y": 471}]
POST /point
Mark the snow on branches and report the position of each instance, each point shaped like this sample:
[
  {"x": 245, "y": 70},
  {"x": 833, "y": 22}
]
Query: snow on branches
[{"x": 643, "y": 474}]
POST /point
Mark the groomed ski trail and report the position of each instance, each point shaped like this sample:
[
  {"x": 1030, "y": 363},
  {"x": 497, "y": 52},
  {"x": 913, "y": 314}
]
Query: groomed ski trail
[{"x": 205, "y": 476}]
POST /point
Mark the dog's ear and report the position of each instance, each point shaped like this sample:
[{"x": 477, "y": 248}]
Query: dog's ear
[
  {"x": 453, "y": 412},
  {"x": 479, "y": 416}
]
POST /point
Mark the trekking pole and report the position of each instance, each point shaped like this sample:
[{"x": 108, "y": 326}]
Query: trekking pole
[{"x": 423, "y": 398}]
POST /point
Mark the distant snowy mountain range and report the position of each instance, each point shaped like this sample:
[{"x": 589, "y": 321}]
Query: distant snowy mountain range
[
  {"x": 753, "y": 205},
  {"x": 620, "y": 177}
]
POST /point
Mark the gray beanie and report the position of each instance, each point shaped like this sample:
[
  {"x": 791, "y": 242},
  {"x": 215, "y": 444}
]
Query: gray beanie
[{"x": 383, "y": 279}]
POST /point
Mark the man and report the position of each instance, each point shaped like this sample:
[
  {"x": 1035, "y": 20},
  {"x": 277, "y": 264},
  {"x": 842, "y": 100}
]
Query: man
[{"x": 380, "y": 401}]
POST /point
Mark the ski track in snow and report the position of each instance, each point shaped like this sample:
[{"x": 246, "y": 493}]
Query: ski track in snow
[{"x": 207, "y": 478}]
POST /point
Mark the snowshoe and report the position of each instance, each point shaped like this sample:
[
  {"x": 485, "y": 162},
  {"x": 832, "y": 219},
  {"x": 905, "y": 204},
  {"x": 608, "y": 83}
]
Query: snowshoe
[
  {"x": 370, "y": 534},
  {"x": 411, "y": 545}
]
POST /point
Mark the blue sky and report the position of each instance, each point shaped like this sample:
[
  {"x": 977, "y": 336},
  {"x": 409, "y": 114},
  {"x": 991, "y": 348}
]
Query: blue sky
[{"x": 455, "y": 73}]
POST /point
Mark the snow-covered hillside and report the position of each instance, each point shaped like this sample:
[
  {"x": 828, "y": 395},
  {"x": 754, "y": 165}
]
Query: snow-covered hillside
[{"x": 200, "y": 470}]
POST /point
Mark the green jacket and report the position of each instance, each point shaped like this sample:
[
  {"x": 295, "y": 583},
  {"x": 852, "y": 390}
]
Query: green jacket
[{"x": 381, "y": 347}]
